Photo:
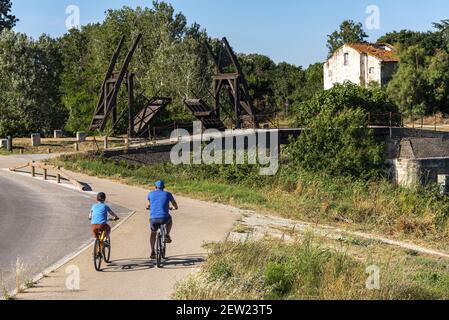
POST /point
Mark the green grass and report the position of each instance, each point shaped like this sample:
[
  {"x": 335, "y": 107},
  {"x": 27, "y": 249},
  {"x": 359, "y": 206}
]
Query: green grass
[
  {"x": 303, "y": 270},
  {"x": 420, "y": 215},
  {"x": 6, "y": 296}
]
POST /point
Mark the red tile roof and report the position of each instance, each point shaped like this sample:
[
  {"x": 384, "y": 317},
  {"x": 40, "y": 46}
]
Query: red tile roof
[{"x": 376, "y": 50}]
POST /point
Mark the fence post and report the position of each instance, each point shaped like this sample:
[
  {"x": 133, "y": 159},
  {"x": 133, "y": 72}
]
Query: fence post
[
  {"x": 369, "y": 119},
  {"x": 58, "y": 176},
  {"x": 9, "y": 143},
  {"x": 45, "y": 174},
  {"x": 33, "y": 170}
]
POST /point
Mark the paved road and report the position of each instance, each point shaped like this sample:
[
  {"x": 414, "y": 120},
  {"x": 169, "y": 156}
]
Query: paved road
[
  {"x": 132, "y": 275},
  {"x": 40, "y": 222}
]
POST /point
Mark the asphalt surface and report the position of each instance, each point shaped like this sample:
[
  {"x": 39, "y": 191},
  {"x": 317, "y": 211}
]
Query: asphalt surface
[{"x": 40, "y": 224}]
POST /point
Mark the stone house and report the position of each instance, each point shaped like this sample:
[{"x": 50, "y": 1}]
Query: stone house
[
  {"x": 418, "y": 161},
  {"x": 362, "y": 64}
]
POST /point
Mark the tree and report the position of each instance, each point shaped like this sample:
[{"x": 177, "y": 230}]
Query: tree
[
  {"x": 336, "y": 139},
  {"x": 170, "y": 61},
  {"x": 409, "y": 88},
  {"x": 313, "y": 83},
  {"x": 349, "y": 32},
  {"x": 443, "y": 29},
  {"x": 7, "y": 20},
  {"x": 437, "y": 77},
  {"x": 288, "y": 80},
  {"x": 259, "y": 72},
  {"x": 429, "y": 41},
  {"x": 29, "y": 81}
]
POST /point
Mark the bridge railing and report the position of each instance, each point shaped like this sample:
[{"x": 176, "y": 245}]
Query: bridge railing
[{"x": 392, "y": 119}]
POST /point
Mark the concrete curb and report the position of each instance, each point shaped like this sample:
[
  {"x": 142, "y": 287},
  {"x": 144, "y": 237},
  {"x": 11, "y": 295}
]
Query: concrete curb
[{"x": 71, "y": 256}]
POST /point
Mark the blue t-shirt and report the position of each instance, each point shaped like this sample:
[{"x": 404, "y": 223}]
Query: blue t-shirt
[
  {"x": 100, "y": 213},
  {"x": 160, "y": 204}
]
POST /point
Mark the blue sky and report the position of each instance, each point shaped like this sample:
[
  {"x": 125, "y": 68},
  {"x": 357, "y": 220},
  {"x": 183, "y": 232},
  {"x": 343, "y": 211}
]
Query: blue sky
[{"x": 286, "y": 30}]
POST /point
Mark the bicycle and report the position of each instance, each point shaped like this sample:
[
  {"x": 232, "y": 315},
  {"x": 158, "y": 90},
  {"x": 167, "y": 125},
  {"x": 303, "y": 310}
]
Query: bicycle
[
  {"x": 161, "y": 244},
  {"x": 102, "y": 248}
]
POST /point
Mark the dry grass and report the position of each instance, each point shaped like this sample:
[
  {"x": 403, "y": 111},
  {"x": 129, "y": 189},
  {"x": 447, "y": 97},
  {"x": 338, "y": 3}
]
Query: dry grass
[
  {"x": 311, "y": 269},
  {"x": 19, "y": 272}
]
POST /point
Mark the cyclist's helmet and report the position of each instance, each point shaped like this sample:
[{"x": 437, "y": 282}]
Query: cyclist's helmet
[
  {"x": 160, "y": 184},
  {"x": 101, "y": 197}
]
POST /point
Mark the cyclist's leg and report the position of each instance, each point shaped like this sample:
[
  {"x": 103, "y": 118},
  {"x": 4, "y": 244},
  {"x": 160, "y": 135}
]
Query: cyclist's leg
[
  {"x": 95, "y": 228},
  {"x": 169, "y": 225},
  {"x": 154, "y": 228},
  {"x": 107, "y": 229}
]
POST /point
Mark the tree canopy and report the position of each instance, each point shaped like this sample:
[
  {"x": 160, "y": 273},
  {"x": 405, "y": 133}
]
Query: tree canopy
[
  {"x": 7, "y": 19},
  {"x": 349, "y": 31}
]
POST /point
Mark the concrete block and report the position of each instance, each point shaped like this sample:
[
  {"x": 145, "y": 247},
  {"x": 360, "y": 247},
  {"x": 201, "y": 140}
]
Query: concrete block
[
  {"x": 35, "y": 139},
  {"x": 81, "y": 136},
  {"x": 58, "y": 134},
  {"x": 3, "y": 143}
]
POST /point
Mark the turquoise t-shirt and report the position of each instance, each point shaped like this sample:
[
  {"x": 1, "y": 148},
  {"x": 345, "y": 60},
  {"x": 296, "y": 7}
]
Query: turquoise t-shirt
[{"x": 100, "y": 213}]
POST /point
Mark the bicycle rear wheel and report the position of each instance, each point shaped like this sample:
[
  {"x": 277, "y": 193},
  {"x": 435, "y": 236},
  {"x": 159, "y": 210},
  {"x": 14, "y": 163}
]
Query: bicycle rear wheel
[
  {"x": 164, "y": 243},
  {"x": 159, "y": 251},
  {"x": 97, "y": 255},
  {"x": 107, "y": 250}
]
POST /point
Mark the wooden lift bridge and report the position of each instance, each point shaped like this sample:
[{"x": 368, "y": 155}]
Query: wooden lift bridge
[{"x": 139, "y": 120}]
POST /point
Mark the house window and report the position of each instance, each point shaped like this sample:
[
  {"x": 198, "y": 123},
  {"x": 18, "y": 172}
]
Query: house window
[
  {"x": 330, "y": 73},
  {"x": 371, "y": 70},
  {"x": 346, "y": 58}
]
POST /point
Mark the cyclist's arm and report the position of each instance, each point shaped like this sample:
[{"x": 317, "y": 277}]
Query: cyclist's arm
[
  {"x": 174, "y": 203},
  {"x": 112, "y": 213}
]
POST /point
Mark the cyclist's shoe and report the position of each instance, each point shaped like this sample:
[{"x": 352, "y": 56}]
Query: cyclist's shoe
[
  {"x": 168, "y": 239},
  {"x": 153, "y": 255}
]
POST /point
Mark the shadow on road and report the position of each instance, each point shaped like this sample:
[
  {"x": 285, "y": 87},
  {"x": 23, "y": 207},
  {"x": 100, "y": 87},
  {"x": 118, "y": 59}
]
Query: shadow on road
[
  {"x": 184, "y": 262},
  {"x": 140, "y": 264}
]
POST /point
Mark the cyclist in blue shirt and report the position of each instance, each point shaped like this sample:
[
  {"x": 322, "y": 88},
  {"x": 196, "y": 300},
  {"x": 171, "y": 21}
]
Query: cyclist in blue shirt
[
  {"x": 159, "y": 207},
  {"x": 99, "y": 215}
]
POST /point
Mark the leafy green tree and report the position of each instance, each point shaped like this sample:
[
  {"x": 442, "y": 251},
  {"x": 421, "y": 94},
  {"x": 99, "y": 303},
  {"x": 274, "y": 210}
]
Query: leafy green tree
[
  {"x": 338, "y": 144},
  {"x": 336, "y": 139},
  {"x": 443, "y": 29},
  {"x": 288, "y": 81},
  {"x": 409, "y": 87},
  {"x": 7, "y": 20},
  {"x": 313, "y": 82},
  {"x": 170, "y": 60},
  {"x": 349, "y": 31},
  {"x": 429, "y": 41},
  {"x": 437, "y": 77},
  {"x": 259, "y": 72},
  {"x": 29, "y": 81}
]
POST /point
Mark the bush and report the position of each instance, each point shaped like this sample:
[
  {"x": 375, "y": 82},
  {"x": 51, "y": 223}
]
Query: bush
[{"x": 336, "y": 139}]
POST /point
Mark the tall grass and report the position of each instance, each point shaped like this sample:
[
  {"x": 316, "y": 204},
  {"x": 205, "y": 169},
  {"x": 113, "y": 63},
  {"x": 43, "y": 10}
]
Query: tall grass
[
  {"x": 374, "y": 205},
  {"x": 298, "y": 271}
]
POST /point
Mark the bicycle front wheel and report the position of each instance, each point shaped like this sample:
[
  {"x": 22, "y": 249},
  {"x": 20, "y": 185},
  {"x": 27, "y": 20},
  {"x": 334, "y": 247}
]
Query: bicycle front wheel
[{"x": 97, "y": 255}]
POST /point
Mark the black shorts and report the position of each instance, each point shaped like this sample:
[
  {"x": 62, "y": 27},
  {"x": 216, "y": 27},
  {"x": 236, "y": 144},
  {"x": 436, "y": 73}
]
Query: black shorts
[{"x": 157, "y": 223}]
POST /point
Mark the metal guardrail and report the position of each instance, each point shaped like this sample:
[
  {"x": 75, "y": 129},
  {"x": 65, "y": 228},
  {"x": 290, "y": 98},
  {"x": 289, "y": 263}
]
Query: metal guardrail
[{"x": 60, "y": 174}]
